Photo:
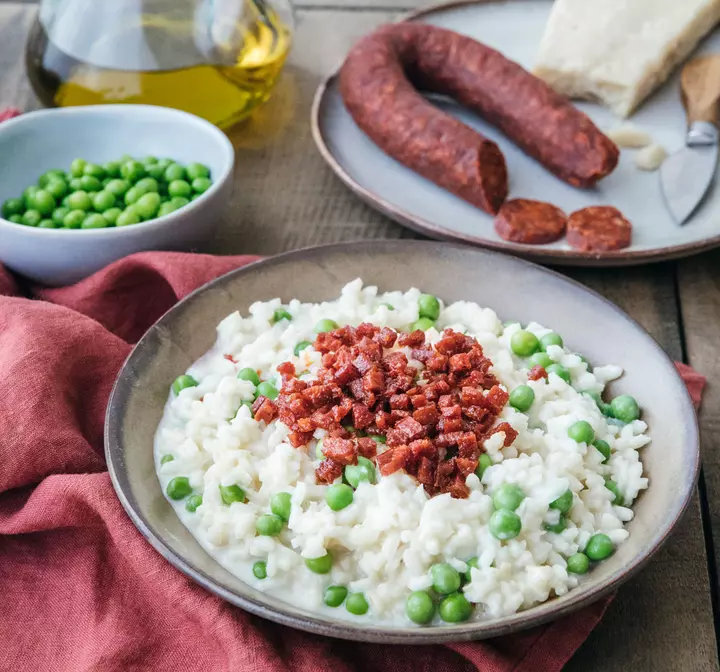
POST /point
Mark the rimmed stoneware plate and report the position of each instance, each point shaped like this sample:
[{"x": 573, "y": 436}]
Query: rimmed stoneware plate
[
  {"x": 516, "y": 290},
  {"x": 515, "y": 28}
]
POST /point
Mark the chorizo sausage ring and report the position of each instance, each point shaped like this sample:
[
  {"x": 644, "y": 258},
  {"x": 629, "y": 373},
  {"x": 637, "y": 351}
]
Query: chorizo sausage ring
[{"x": 379, "y": 84}]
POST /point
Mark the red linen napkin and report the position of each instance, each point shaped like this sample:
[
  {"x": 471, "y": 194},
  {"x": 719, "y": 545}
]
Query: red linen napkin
[{"x": 81, "y": 589}]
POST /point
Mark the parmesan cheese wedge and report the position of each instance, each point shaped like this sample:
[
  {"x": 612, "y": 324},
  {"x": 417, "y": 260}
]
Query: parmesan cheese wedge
[{"x": 619, "y": 51}]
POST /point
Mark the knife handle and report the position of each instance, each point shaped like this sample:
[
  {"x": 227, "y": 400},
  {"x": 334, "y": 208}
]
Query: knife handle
[{"x": 700, "y": 84}]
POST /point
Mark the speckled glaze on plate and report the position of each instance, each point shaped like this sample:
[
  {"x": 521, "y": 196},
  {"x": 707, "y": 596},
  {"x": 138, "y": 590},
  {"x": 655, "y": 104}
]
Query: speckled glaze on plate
[
  {"x": 516, "y": 290},
  {"x": 515, "y": 28}
]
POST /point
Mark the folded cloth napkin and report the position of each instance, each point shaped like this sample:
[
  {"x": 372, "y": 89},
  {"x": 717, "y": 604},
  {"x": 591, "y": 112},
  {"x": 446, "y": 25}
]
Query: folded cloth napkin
[{"x": 81, "y": 589}]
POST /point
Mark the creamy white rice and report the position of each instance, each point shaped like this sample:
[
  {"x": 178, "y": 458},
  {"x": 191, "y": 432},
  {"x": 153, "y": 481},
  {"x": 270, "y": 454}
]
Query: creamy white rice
[{"x": 386, "y": 541}]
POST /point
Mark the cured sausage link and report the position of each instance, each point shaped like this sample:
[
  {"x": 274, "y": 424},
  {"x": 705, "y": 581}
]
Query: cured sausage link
[
  {"x": 378, "y": 82},
  {"x": 385, "y": 105}
]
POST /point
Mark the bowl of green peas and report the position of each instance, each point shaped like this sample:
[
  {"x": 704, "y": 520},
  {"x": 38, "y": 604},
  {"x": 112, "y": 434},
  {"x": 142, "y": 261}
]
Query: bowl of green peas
[{"x": 82, "y": 187}]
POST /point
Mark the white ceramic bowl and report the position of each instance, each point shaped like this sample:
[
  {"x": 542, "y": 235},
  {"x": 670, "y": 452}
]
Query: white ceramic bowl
[{"x": 39, "y": 141}]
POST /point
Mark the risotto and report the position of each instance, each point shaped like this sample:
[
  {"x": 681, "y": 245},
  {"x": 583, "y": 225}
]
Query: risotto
[{"x": 385, "y": 456}]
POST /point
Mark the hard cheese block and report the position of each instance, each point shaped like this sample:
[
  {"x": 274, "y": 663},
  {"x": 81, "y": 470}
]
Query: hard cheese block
[{"x": 620, "y": 51}]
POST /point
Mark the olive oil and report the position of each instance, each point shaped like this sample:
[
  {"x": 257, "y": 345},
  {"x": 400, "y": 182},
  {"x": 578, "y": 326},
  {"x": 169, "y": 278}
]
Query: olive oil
[{"x": 221, "y": 74}]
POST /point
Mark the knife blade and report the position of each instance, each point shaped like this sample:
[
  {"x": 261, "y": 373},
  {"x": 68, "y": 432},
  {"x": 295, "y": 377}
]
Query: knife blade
[{"x": 686, "y": 176}]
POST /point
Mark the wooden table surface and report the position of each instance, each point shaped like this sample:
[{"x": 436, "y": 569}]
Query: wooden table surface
[{"x": 286, "y": 197}]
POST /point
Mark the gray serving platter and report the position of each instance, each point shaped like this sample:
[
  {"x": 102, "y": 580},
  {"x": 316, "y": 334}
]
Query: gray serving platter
[
  {"x": 515, "y": 28},
  {"x": 515, "y": 289}
]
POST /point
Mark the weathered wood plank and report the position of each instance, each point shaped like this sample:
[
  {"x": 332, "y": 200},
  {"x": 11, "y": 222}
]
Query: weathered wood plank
[{"x": 287, "y": 198}]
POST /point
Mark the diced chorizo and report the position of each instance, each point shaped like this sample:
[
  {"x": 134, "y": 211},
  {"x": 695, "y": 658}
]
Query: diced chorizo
[
  {"x": 395, "y": 437},
  {"x": 393, "y": 459},
  {"x": 298, "y": 439},
  {"x": 450, "y": 425},
  {"x": 400, "y": 402},
  {"x": 396, "y": 363},
  {"x": 362, "y": 416},
  {"x": 366, "y": 447},
  {"x": 449, "y": 439},
  {"x": 345, "y": 374},
  {"x": 426, "y": 473},
  {"x": 468, "y": 445},
  {"x": 458, "y": 489},
  {"x": 342, "y": 451},
  {"x": 537, "y": 372},
  {"x": 466, "y": 465},
  {"x": 497, "y": 398},
  {"x": 422, "y": 355},
  {"x": 427, "y": 415},
  {"x": 423, "y": 448},
  {"x": 472, "y": 396},
  {"x": 438, "y": 363},
  {"x": 264, "y": 409},
  {"x": 412, "y": 340},
  {"x": 386, "y": 337},
  {"x": 411, "y": 428},
  {"x": 417, "y": 400},
  {"x": 374, "y": 380},
  {"x": 509, "y": 431},
  {"x": 328, "y": 471},
  {"x": 460, "y": 363}
]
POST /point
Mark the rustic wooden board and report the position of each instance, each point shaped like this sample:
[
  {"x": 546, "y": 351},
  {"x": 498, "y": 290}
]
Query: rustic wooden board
[{"x": 287, "y": 198}]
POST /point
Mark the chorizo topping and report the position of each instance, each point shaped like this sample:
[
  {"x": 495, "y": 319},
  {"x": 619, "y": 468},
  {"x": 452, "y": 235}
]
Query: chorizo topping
[{"x": 433, "y": 413}]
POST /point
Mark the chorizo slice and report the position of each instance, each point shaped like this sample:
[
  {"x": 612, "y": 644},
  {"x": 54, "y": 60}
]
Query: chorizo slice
[
  {"x": 530, "y": 222},
  {"x": 379, "y": 84},
  {"x": 599, "y": 228}
]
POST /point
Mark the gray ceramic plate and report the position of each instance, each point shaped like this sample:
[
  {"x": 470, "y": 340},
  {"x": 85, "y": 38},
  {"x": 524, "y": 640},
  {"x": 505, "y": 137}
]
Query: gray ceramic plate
[
  {"x": 516, "y": 290},
  {"x": 515, "y": 28}
]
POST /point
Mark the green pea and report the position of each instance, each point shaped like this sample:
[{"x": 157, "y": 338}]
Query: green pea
[
  {"x": 524, "y": 343},
  {"x": 150, "y": 160},
  {"x": 604, "y": 449},
  {"x": 301, "y": 346},
  {"x": 77, "y": 167},
  {"x": 42, "y": 201},
  {"x": 423, "y": 324},
  {"x": 229, "y": 494},
  {"x": 174, "y": 172},
  {"x": 339, "y": 496},
  {"x": 356, "y": 603},
  {"x": 281, "y": 314},
  {"x": 28, "y": 193},
  {"x": 89, "y": 183},
  {"x": 79, "y": 200},
  {"x": 94, "y": 221},
  {"x": 147, "y": 205},
  {"x": 541, "y": 359},
  {"x": 363, "y": 471},
  {"x": 321, "y": 565},
  {"x": 249, "y": 374},
  {"x": 197, "y": 171},
  {"x": 564, "y": 502},
  {"x": 112, "y": 168},
  {"x": 429, "y": 306},
  {"x": 132, "y": 171},
  {"x": 164, "y": 163},
  {"x": 57, "y": 188},
  {"x": 559, "y": 370},
  {"x": 75, "y": 184},
  {"x": 582, "y": 432},
  {"x": 455, "y": 608},
  {"x": 625, "y": 408},
  {"x": 133, "y": 195},
  {"x": 201, "y": 184},
  {"x": 508, "y": 496},
  {"x": 558, "y": 527},
  {"x": 16, "y": 219},
  {"x": 58, "y": 215},
  {"x": 604, "y": 408},
  {"x": 148, "y": 185},
  {"x": 419, "y": 607},
  {"x": 49, "y": 176},
  {"x": 268, "y": 525},
  {"x": 178, "y": 487},
  {"x": 505, "y": 524},
  {"x": 74, "y": 219},
  {"x": 117, "y": 187},
  {"x": 31, "y": 217},
  {"x": 325, "y": 325},
  {"x": 578, "y": 563},
  {"x": 47, "y": 224},
  {"x": 259, "y": 569},
  {"x": 103, "y": 200},
  {"x": 613, "y": 487},
  {"x": 472, "y": 562},
  {"x": 281, "y": 505},
  {"x": 378, "y": 438},
  {"x": 181, "y": 382},
  {"x": 193, "y": 502},
  {"x": 522, "y": 397},
  {"x": 599, "y": 547},
  {"x": 156, "y": 171},
  {"x": 166, "y": 458},
  {"x": 179, "y": 202},
  {"x": 179, "y": 188},
  {"x": 93, "y": 170},
  {"x": 266, "y": 389},
  {"x": 111, "y": 215},
  {"x": 13, "y": 206},
  {"x": 335, "y": 595},
  {"x": 166, "y": 209},
  {"x": 550, "y": 339},
  {"x": 484, "y": 462},
  {"x": 445, "y": 578},
  {"x": 127, "y": 217}
]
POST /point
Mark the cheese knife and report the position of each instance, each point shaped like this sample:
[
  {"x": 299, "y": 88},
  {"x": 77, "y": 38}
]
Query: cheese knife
[{"x": 686, "y": 176}]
